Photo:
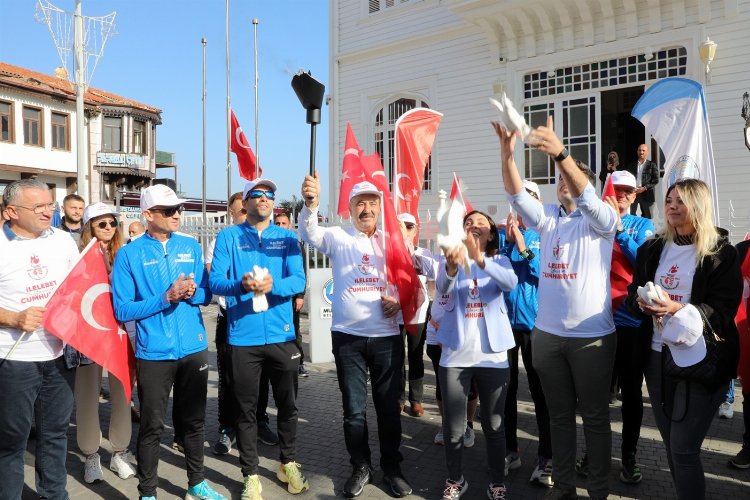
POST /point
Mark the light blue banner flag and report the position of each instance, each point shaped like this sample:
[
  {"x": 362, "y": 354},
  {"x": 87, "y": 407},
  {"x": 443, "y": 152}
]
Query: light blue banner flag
[{"x": 673, "y": 110}]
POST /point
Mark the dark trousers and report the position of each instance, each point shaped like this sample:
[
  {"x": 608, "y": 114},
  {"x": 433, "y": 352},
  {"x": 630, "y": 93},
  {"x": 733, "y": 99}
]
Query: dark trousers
[
  {"x": 629, "y": 372},
  {"x": 646, "y": 207},
  {"x": 434, "y": 351},
  {"x": 297, "y": 334},
  {"x": 43, "y": 391},
  {"x": 189, "y": 377},
  {"x": 523, "y": 342},
  {"x": 247, "y": 363},
  {"x": 383, "y": 357},
  {"x": 228, "y": 409},
  {"x": 415, "y": 356},
  {"x": 694, "y": 406}
]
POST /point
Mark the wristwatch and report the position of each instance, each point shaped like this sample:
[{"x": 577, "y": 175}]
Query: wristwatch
[
  {"x": 563, "y": 154},
  {"x": 527, "y": 254}
]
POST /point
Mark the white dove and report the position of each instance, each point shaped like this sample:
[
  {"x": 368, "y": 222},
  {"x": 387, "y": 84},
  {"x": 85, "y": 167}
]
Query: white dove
[
  {"x": 451, "y": 224},
  {"x": 651, "y": 292},
  {"x": 260, "y": 302},
  {"x": 510, "y": 118}
]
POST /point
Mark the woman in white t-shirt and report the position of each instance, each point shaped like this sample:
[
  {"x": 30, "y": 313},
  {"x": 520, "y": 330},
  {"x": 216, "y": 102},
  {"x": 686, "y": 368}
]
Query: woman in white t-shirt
[
  {"x": 475, "y": 334},
  {"x": 100, "y": 222},
  {"x": 697, "y": 268}
]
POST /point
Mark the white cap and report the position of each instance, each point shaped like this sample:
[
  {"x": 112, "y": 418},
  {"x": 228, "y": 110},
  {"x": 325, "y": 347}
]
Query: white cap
[
  {"x": 363, "y": 188},
  {"x": 683, "y": 334},
  {"x": 159, "y": 195},
  {"x": 97, "y": 209},
  {"x": 623, "y": 178},
  {"x": 533, "y": 187},
  {"x": 255, "y": 183},
  {"x": 407, "y": 218}
]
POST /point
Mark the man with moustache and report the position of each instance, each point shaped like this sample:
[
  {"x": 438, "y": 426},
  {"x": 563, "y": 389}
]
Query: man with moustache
[
  {"x": 364, "y": 331},
  {"x": 646, "y": 175},
  {"x": 35, "y": 384},
  {"x": 73, "y": 214},
  {"x": 257, "y": 267}
]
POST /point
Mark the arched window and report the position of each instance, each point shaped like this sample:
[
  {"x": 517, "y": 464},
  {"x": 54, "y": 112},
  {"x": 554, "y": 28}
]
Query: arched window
[{"x": 384, "y": 132}]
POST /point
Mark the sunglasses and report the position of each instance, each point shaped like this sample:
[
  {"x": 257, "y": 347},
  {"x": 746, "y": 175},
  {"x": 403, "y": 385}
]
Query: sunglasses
[
  {"x": 169, "y": 212},
  {"x": 626, "y": 190},
  {"x": 410, "y": 226},
  {"x": 257, "y": 193},
  {"x": 103, "y": 224}
]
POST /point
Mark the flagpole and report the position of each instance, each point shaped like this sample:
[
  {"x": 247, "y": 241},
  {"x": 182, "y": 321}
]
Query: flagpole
[
  {"x": 229, "y": 107},
  {"x": 203, "y": 201},
  {"x": 255, "y": 51}
]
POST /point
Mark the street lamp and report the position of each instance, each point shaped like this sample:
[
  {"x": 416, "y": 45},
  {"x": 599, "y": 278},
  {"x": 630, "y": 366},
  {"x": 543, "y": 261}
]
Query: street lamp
[
  {"x": 707, "y": 52},
  {"x": 310, "y": 94}
]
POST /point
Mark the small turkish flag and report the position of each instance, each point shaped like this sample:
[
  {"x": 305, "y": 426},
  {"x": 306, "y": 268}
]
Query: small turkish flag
[
  {"x": 621, "y": 273},
  {"x": 351, "y": 171},
  {"x": 456, "y": 193},
  {"x": 80, "y": 313},
  {"x": 245, "y": 156}
]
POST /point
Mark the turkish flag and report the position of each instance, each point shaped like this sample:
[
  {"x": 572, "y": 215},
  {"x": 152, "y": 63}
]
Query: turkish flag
[
  {"x": 80, "y": 313},
  {"x": 351, "y": 170},
  {"x": 621, "y": 272},
  {"x": 245, "y": 156},
  {"x": 456, "y": 193},
  {"x": 415, "y": 134},
  {"x": 743, "y": 325}
]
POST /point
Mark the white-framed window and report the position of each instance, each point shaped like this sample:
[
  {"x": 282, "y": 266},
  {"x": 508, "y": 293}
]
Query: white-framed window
[
  {"x": 384, "y": 133},
  {"x": 139, "y": 137},
  {"x": 112, "y": 133}
]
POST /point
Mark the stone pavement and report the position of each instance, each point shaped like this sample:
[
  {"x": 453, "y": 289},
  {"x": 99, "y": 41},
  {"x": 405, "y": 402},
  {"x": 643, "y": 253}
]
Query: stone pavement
[{"x": 322, "y": 453}]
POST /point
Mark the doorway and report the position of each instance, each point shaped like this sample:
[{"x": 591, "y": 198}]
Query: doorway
[{"x": 620, "y": 131}]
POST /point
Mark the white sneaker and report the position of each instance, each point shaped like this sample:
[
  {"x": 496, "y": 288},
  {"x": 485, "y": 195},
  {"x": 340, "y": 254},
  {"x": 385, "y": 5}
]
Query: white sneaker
[
  {"x": 122, "y": 464},
  {"x": 726, "y": 410},
  {"x": 512, "y": 462},
  {"x": 92, "y": 470},
  {"x": 542, "y": 473},
  {"x": 439, "y": 437},
  {"x": 468, "y": 437}
]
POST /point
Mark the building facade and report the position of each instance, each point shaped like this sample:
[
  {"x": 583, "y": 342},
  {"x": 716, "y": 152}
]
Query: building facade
[{"x": 585, "y": 62}]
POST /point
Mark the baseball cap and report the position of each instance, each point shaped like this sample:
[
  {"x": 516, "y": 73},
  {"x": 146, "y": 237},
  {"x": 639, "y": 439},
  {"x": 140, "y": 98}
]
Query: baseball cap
[
  {"x": 533, "y": 187},
  {"x": 623, "y": 178},
  {"x": 257, "y": 182},
  {"x": 407, "y": 218},
  {"x": 97, "y": 209},
  {"x": 683, "y": 334},
  {"x": 363, "y": 188},
  {"x": 159, "y": 195}
]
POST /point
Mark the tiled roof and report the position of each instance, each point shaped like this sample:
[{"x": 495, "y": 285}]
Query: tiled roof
[{"x": 49, "y": 84}]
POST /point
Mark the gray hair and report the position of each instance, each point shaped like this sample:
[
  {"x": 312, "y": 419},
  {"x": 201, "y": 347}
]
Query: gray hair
[{"x": 13, "y": 190}]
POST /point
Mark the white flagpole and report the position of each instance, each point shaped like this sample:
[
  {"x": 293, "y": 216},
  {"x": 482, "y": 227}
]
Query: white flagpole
[
  {"x": 229, "y": 108},
  {"x": 255, "y": 42}
]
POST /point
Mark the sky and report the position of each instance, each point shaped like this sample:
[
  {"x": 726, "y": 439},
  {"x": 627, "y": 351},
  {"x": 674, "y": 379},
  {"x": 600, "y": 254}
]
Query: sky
[{"x": 156, "y": 57}]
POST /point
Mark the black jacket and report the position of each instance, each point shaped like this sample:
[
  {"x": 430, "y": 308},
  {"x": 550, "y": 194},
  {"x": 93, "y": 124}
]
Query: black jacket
[
  {"x": 650, "y": 180},
  {"x": 716, "y": 290}
]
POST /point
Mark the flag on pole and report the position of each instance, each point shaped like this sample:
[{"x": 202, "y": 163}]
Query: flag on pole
[
  {"x": 351, "y": 171},
  {"x": 674, "y": 112},
  {"x": 457, "y": 193},
  {"x": 743, "y": 325},
  {"x": 414, "y": 135},
  {"x": 80, "y": 313},
  {"x": 621, "y": 272},
  {"x": 245, "y": 156}
]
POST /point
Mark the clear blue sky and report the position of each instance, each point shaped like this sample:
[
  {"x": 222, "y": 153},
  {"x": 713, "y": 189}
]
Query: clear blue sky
[{"x": 155, "y": 57}]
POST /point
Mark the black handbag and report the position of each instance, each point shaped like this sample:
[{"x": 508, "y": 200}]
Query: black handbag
[{"x": 703, "y": 372}]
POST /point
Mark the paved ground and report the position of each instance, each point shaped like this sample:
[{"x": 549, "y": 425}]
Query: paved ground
[{"x": 323, "y": 455}]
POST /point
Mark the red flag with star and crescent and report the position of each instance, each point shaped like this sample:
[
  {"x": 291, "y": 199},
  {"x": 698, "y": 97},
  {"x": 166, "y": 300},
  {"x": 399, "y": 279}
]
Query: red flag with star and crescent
[
  {"x": 621, "y": 273},
  {"x": 245, "y": 156},
  {"x": 414, "y": 137},
  {"x": 80, "y": 313},
  {"x": 351, "y": 171}
]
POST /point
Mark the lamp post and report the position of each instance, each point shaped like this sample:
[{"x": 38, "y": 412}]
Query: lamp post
[
  {"x": 310, "y": 94},
  {"x": 707, "y": 52}
]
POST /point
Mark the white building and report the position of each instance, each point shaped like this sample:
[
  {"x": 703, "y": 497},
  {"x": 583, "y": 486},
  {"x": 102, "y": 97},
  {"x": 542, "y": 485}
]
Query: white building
[
  {"x": 586, "y": 62},
  {"x": 38, "y": 136}
]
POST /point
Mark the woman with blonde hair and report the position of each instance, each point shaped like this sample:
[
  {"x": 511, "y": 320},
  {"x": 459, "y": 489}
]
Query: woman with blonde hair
[
  {"x": 100, "y": 222},
  {"x": 699, "y": 275}
]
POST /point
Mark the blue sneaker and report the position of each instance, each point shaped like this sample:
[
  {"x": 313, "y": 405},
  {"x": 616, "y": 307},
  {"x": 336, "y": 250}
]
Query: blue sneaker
[
  {"x": 202, "y": 491},
  {"x": 146, "y": 498}
]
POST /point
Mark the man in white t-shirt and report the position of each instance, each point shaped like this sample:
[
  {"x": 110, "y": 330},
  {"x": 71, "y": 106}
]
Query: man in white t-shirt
[
  {"x": 34, "y": 381},
  {"x": 572, "y": 340},
  {"x": 364, "y": 331}
]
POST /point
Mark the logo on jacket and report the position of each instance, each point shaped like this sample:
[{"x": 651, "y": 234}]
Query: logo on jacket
[
  {"x": 365, "y": 267},
  {"x": 37, "y": 271},
  {"x": 670, "y": 281}
]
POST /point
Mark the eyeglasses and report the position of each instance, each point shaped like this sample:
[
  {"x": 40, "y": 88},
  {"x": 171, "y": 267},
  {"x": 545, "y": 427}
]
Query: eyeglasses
[
  {"x": 39, "y": 208},
  {"x": 257, "y": 193},
  {"x": 169, "y": 212},
  {"x": 410, "y": 226},
  {"x": 626, "y": 190},
  {"x": 103, "y": 224}
]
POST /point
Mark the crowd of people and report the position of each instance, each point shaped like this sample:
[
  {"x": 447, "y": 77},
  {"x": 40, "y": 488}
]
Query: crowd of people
[{"x": 540, "y": 284}]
